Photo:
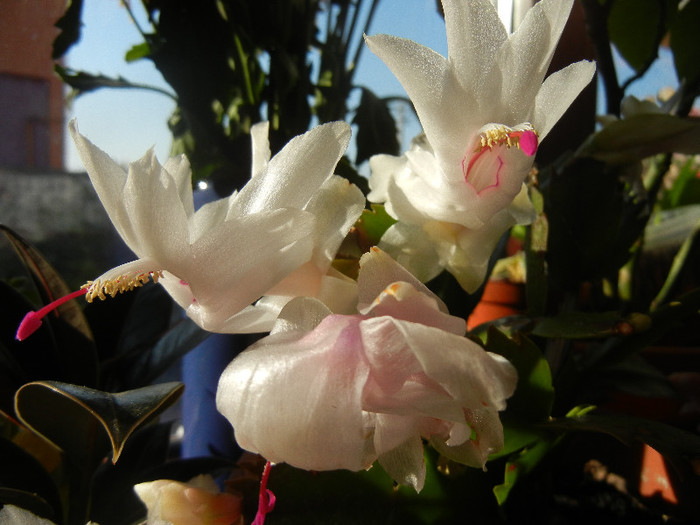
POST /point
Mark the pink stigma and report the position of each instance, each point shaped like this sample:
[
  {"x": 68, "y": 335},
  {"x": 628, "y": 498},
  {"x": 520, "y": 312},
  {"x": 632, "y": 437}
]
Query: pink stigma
[
  {"x": 32, "y": 321},
  {"x": 528, "y": 143},
  {"x": 266, "y": 500}
]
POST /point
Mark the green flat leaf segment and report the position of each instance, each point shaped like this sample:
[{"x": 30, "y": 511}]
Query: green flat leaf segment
[{"x": 84, "y": 422}]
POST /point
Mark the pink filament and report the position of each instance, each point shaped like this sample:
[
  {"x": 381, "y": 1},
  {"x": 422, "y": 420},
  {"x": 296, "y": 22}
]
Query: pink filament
[
  {"x": 266, "y": 500},
  {"x": 32, "y": 321}
]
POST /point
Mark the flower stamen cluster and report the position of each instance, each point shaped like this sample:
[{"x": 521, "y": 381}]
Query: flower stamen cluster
[{"x": 100, "y": 289}]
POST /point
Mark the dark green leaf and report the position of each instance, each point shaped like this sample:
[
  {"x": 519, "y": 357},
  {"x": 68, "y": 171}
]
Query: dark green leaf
[
  {"x": 98, "y": 420},
  {"x": 65, "y": 338},
  {"x": 83, "y": 82},
  {"x": 643, "y": 135},
  {"x": 673, "y": 443},
  {"x": 114, "y": 501},
  {"x": 180, "y": 339},
  {"x": 69, "y": 24},
  {"x": 684, "y": 42},
  {"x": 686, "y": 187},
  {"x": 21, "y": 471},
  {"x": 584, "y": 325},
  {"x": 28, "y": 501},
  {"x": 376, "y": 128},
  {"x": 636, "y": 28},
  {"x": 534, "y": 394},
  {"x": 519, "y": 466}
]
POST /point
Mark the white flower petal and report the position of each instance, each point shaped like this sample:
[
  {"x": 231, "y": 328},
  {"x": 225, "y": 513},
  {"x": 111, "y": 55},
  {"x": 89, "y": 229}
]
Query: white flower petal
[
  {"x": 261, "y": 147},
  {"x": 405, "y": 463},
  {"x": 557, "y": 93},
  {"x": 526, "y": 57},
  {"x": 336, "y": 206},
  {"x": 295, "y": 173},
  {"x": 308, "y": 414},
  {"x": 108, "y": 179},
  {"x": 474, "y": 34},
  {"x": 377, "y": 270},
  {"x": 412, "y": 248}
]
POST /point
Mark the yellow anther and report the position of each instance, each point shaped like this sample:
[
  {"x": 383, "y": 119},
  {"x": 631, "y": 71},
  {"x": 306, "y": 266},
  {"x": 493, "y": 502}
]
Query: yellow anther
[{"x": 124, "y": 283}]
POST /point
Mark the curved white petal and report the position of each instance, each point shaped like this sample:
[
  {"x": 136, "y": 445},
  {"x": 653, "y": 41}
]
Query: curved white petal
[
  {"x": 447, "y": 112},
  {"x": 557, "y": 93},
  {"x": 152, "y": 199},
  {"x": 309, "y": 412},
  {"x": 108, "y": 179},
  {"x": 179, "y": 169},
  {"x": 527, "y": 55},
  {"x": 377, "y": 271},
  {"x": 261, "y": 147},
  {"x": 412, "y": 248},
  {"x": 295, "y": 173},
  {"x": 474, "y": 35},
  {"x": 336, "y": 205}
]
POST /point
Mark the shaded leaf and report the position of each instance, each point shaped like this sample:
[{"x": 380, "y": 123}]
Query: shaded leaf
[
  {"x": 83, "y": 82},
  {"x": 21, "y": 471},
  {"x": 47, "y": 281},
  {"x": 675, "y": 444},
  {"x": 519, "y": 466},
  {"x": 376, "y": 128},
  {"x": 586, "y": 325},
  {"x": 114, "y": 501},
  {"x": 636, "y": 28},
  {"x": 182, "y": 337},
  {"x": 28, "y": 501},
  {"x": 63, "y": 347},
  {"x": 534, "y": 394},
  {"x": 69, "y": 24},
  {"x": 684, "y": 42},
  {"x": 99, "y": 420},
  {"x": 371, "y": 226},
  {"x": 643, "y": 135}
]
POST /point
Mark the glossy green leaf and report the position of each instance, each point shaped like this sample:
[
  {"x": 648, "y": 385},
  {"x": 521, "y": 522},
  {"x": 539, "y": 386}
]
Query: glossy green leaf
[
  {"x": 376, "y": 128},
  {"x": 113, "y": 499},
  {"x": 99, "y": 421},
  {"x": 534, "y": 394},
  {"x": 371, "y": 226},
  {"x": 519, "y": 466},
  {"x": 643, "y": 135}
]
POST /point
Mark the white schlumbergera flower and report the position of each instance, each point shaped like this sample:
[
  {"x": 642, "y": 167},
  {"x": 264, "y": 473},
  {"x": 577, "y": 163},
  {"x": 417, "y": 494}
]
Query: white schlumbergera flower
[
  {"x": 276, "y": 237},
  {"x": 484, "y": 110},
  {"x": 326, "y": 391}
]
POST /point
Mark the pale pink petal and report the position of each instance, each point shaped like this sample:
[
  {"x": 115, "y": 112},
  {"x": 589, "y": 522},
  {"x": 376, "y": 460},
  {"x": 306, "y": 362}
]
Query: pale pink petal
[{"x": 309, "y": 413}]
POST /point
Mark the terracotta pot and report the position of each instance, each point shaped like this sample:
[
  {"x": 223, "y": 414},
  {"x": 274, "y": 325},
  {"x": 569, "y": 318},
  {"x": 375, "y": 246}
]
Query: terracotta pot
[{"x": 501, "y": 298}]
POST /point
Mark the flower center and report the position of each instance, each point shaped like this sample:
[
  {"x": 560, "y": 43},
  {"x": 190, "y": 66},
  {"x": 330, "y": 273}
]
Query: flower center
[
  {"x": 92, "y": 289},
  {"x": 482, "y": 166}
]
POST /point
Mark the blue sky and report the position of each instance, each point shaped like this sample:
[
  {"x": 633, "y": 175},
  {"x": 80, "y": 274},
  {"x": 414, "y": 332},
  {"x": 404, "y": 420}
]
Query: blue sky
[{"x": 125, "y": 123}]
